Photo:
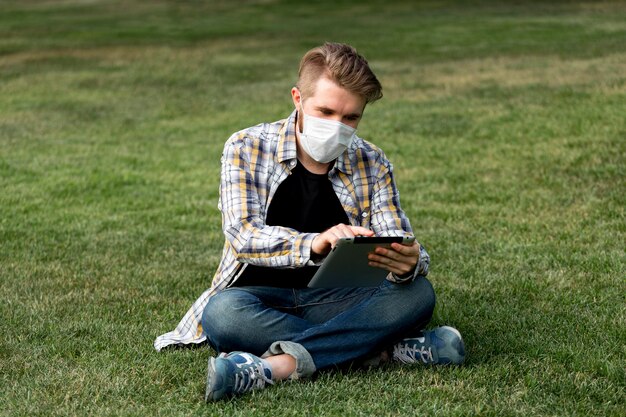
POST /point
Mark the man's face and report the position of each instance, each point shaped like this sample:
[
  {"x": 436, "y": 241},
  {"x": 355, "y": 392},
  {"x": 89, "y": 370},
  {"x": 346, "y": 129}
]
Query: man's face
[{"x": 329, "y": 101}]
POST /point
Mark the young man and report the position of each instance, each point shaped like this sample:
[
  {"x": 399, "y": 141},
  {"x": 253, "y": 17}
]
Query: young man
[{"x": 288, "y": 191}]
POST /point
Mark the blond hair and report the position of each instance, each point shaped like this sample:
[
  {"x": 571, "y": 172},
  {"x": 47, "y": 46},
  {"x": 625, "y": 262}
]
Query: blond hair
[{"x": 342, "y": 64}]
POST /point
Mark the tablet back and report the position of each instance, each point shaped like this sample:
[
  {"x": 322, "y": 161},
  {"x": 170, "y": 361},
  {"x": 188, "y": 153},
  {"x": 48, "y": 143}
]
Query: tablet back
[{"x": 347, "y": 264}]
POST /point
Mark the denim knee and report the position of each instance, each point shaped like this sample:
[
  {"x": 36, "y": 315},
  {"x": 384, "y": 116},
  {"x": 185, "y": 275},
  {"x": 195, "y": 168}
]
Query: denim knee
[
  {"x": 220, "y": 316},
  {"x": 427, "y": 299},
  {"x": 416, "y": 301}
]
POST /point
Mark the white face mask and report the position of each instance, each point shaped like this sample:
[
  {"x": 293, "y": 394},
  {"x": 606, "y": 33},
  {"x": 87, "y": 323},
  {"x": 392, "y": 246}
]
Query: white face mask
[{"x": 324, "y": 140}]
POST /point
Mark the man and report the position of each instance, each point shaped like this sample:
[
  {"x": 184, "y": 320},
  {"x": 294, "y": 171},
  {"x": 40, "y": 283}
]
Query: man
[{"x": 288, "y": 191}]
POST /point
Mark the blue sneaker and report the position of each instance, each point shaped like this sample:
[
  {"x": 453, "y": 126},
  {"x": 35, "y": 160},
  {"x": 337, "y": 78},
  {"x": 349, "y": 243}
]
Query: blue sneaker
[
  {"x": 235, "y": 373},
  {"x": 439, "y": 346}
]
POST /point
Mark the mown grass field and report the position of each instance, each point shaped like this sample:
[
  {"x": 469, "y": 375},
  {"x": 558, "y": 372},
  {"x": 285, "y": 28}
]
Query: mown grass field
[{"x": 507, "y": 128}]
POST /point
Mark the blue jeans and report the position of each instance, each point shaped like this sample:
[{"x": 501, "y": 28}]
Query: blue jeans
[{"x": 318, "y": 327}]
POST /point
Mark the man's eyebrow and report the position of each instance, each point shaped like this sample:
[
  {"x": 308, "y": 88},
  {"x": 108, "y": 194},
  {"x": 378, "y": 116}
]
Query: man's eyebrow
[{"x": 351, "y": 115}]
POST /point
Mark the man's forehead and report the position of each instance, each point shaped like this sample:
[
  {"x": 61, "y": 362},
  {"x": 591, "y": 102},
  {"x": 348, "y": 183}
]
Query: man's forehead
[{"x": 325, "y": 84}]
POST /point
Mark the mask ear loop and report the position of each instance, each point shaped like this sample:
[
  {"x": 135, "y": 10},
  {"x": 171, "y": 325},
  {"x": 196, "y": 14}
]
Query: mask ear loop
[
  {"x": 301, "y": 101},
  {"x": 300, "y": 113}
]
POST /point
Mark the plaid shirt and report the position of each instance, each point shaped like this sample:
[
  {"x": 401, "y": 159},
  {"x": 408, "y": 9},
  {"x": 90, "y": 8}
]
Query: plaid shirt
[{"x": 255, "y": 162}]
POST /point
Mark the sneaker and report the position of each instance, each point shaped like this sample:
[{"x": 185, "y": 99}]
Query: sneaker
[
  {"x": 235, "y": 373},
  {"x": 439, "y": 346}
]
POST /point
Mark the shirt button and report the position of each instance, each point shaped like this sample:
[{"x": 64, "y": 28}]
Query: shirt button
[
  {"x": 364, "y": 214},
  {"x": 292, "y": 164}
]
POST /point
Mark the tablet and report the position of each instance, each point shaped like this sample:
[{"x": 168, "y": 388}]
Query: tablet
[{"x": 347, "y": 264}]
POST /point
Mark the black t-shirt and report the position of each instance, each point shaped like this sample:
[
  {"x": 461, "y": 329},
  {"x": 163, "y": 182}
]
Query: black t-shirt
[{"x": 307, "y": 203}]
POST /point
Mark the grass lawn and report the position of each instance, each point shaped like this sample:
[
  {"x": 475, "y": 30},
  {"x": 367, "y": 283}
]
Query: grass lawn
[{"x": 506, "y": 124}]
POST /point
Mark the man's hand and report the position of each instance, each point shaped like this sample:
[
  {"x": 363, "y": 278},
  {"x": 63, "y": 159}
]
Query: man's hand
[
  {"x": 400, "y": 259},
  {"x": 324, "y": 242}
]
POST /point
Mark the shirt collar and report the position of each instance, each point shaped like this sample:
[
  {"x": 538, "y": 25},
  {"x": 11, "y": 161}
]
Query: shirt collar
[
  {"x": 287, "y": 146},
  {"x": 343, "y": 161}
]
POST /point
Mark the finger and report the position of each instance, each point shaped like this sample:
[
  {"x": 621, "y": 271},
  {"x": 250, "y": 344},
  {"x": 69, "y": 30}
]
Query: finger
[
  {"x": 385, "y": 260},
  {"x": 407, "y": 250},
  {"x": 393, "y": 254},
  {"x": 398, "y": 269},
  {"x": 332, "y": 236},
  {"x": 343, "y": 230},
  {"x": 337, "y": 232},
  {"x": 358, "y": 230},
  {"x": 390, "y": 257}
]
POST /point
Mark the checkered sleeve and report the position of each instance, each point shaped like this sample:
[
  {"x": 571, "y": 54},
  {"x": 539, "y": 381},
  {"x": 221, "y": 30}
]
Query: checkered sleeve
[{"x": 242, "y": 189}]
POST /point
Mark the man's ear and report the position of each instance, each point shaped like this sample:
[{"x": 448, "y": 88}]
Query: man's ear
[{"x": 296, "y": 97}]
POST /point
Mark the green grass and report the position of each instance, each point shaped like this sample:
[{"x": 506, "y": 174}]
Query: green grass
[{"x": 507, "y": 129}]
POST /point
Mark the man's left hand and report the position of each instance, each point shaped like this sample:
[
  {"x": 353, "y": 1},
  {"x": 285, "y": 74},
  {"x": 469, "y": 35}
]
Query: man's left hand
[{"x": 399, "y": 259}]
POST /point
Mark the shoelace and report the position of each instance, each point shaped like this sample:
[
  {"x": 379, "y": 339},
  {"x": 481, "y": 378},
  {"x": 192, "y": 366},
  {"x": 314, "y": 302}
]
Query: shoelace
[
  {"x": 251, "y": 377},
  {"x": 408, "y": 353}
]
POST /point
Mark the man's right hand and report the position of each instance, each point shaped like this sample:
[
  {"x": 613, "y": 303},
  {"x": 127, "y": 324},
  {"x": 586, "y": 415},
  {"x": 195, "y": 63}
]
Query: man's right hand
[{"x": 324, "y": 242}]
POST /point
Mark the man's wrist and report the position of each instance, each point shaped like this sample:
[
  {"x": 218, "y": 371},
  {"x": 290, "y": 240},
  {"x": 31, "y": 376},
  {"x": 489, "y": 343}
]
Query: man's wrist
[
  {"x": 314, "y": 259},
  {"x": 409, "y": 276}
]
